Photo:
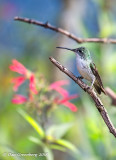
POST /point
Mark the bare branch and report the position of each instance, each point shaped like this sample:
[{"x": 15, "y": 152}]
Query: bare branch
[
  {"x": 92, "y": 94},
  {"x": 65, "y": 32},
  {"x": 112, "y": 95}
]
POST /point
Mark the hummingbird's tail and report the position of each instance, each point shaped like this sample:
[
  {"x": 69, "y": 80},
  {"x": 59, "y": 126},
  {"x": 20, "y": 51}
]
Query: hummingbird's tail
[{"x": 100, "y": 89}]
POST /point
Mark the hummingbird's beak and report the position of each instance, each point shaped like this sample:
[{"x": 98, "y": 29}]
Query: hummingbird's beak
[{"x": 66, "y": 48}]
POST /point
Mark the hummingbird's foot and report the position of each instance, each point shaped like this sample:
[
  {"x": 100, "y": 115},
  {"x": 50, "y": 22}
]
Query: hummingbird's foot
[
  {"x": 80, "y": 77},
  {"x": 92, "y": 83},
  {"x": 87, "y": 88},
  {"x": 91, "y": 87}
]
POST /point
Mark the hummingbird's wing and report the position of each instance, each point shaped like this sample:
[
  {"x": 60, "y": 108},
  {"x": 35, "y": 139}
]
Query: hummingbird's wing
[{"x": 99, "y": 87}]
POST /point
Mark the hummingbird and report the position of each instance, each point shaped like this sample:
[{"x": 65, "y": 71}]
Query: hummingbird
[{"x": 87, "y": 68}]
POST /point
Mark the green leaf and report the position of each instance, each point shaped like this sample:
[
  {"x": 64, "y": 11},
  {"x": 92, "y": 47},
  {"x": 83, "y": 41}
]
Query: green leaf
[
  {"x": 36, "y": 140},
  {"x": 49, "y": 153},
  {"x": 32, "y": 122},
  {"x": 58, "y": 131},
  {"x": 58, "y": 147},
  {"x": 66, "y": 144}
]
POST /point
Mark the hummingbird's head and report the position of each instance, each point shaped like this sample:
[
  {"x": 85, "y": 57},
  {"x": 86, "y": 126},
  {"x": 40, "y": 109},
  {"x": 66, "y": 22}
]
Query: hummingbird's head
[{"x": 81, "y": 51}]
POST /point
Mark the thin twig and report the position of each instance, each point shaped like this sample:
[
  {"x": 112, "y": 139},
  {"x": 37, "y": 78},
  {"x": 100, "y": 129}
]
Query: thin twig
[
  {"x": 112, "y": 95},
  {"x": 65, "y": 32},
  {"x": 92, "y": 93}
]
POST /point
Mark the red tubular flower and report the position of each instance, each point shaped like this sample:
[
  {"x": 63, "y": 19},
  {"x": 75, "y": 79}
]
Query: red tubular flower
[
  {"x": 18, "y": 67},
  {"x": 32, "y": 84},
  {"x": 26, "y": 74},
  {"x": 65, "y": 102},
  {"x": 57, "y": 86},
  {"x": 70, "y": 105},
  {"x": 64, "y": 93},
  {"x": 19, "y": 99},
  {"x": 68, "y": 98},
  {"x": 17, "y": 82}
]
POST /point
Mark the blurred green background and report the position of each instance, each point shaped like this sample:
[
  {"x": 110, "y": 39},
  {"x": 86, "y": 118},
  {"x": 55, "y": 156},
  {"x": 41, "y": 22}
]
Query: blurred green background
[{"x": 32, "y": 45}]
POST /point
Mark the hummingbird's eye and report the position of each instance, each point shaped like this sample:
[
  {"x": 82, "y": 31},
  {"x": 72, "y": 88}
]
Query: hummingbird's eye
[{"x": 79, "y": 51}]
